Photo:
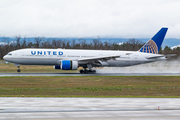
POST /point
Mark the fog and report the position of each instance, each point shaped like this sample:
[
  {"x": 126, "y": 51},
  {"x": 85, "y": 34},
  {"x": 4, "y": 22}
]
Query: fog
[{"x": 155, "y": 67}]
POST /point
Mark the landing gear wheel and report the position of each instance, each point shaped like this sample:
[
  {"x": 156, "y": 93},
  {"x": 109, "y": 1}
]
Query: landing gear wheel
[
  {"x": 81, "y": 71},
  {"x": 87, "y": 71},
  {"x": 18, "y": 70},
  {"x": 94, "y": 71}
]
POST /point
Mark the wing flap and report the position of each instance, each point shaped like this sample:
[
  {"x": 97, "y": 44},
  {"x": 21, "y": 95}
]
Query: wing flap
[{"x": 102, "y": 58}]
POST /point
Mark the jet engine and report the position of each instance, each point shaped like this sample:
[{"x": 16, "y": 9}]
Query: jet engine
[{"x": 67, "y": 65}]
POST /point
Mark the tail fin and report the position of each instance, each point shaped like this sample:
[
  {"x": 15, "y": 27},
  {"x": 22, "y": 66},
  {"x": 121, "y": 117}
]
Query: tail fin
[{"x": 154, "y": 44}]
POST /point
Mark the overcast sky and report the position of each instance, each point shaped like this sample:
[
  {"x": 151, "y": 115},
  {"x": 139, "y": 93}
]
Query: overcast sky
[{"x": 89, "y": 18}]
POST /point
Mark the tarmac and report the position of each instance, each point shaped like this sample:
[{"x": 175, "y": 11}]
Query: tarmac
[
  {"x": 18, "y": 108},
  {"x": 22, "y": 108},
  {"x": 97, "y": 74}
]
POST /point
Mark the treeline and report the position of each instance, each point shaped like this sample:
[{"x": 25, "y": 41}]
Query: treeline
[
  {"x": 95, "y": 44},
  {"x": 168, "y": 50}
]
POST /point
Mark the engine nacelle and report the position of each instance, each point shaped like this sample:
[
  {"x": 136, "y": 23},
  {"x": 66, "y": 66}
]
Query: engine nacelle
[{"x": 67, "y": 65}]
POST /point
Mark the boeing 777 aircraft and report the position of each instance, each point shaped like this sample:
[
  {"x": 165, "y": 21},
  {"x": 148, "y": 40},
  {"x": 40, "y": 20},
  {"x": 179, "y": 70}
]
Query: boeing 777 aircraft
[{"x": 71, "y": 59}]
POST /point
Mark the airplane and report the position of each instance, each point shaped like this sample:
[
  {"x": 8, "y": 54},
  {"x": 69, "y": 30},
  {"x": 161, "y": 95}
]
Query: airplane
[{"x": 72, "y": 59}]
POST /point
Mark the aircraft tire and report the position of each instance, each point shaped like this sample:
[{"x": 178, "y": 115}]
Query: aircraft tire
[
  {"x": 94, "y": 71},
  {"x": 81, "y": 71},
  {"x": 18, "y": 70},
  {"x": 87, "y": 71}
]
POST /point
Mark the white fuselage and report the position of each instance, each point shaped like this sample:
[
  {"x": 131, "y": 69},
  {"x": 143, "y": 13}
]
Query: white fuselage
[{"x": 54, "y": 56}]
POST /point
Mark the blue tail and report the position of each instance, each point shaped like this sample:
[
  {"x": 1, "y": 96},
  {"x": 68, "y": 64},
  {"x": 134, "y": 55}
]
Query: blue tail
[{"x": 154, "y": 45}]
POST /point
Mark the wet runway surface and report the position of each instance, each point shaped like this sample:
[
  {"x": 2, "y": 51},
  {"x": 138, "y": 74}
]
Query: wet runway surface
[
  {"x": 89, "y": 108},
  {"x": 97, "y": 74}
]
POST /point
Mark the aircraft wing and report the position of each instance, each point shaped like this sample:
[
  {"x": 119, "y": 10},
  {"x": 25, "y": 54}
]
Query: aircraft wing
[
  {"x": 154, "y": 57},
  {"x": 102, "y": 58}
]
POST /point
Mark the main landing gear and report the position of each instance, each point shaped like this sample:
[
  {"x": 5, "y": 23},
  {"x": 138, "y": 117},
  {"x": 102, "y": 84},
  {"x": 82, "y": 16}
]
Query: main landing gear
[
  {"x": 18, "y": 70},
  {"x": 87, "y": 71}
]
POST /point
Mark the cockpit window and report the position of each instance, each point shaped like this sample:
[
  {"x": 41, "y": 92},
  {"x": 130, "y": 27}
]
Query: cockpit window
[{"x": 9, "y": 54}]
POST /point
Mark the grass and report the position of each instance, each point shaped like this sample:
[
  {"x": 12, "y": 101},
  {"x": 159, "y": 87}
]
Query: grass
[{"x": 96, "y": 86}]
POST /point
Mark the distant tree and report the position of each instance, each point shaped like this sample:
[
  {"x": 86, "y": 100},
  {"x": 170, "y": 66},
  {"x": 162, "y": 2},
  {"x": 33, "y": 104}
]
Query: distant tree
[
  {"x": 68, "y": 45},
  {"x": 30, "y": 45},
  {"x": 38, "y": 40},
  {"x": 73, "y": 44},
  {"x": 132, "y": 45},
  {"x": 54, "y": 43},
  {"x": 24, "y": 43},
  {"x": 178, "y": 49},
  {"x": 46, "y": 44},
  {"x": 17, "y": 39},
  {"x": 167, "y": 50},
  {"x": 59, "y": 43}
]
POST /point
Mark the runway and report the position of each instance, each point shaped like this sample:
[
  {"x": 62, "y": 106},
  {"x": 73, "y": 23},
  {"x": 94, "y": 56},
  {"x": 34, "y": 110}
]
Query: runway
[
  {"x": 159, "y": 68},
  {"x": 97, "y": 74},
  {"x": 89, "y": 108}
]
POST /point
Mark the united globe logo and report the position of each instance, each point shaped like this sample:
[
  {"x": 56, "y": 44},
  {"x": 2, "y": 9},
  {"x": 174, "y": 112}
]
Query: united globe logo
[{"x": 150, "y": 47}]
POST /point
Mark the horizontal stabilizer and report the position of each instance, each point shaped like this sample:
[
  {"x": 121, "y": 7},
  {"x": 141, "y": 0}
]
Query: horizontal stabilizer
[{"x": 154, "y": 57}]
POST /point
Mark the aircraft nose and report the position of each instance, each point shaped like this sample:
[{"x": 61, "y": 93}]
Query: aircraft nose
[{"x": 5, "y": 57}]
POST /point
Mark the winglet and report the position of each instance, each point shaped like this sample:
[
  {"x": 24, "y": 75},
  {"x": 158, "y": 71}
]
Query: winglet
[{"x": 154, "y": 45}]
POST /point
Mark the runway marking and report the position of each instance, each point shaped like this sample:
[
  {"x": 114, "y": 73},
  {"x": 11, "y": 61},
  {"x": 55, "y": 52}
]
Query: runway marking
[
  {"x": 111, "y": 118},
  {"x": 82, "y": 110},
  {"x": 97, "y": 74},
  {"x": 90, "y": 108},
  {"x": 114, "y": 118}
]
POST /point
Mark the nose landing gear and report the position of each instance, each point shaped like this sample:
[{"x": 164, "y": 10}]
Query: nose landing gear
[{"x": 18, "y": 70}]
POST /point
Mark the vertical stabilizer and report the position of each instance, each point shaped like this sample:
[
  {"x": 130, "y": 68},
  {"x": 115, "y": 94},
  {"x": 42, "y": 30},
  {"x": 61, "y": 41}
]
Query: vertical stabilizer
[{"x": 154, "y": 44}]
